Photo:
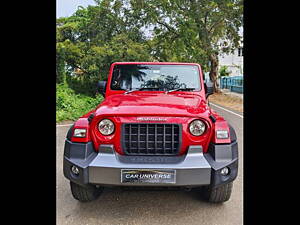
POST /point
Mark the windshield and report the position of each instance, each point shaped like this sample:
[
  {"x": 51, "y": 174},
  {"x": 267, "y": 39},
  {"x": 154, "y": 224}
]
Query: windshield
[{"x": 155, "y": 77}]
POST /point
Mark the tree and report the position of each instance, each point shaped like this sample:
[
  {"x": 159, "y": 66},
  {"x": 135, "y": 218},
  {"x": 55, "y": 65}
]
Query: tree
[
  {"x": 145, "y": 30},
  {"x": 192, "y": 30},
  {"x": 224, "y": 71},
  {"x": 94, "y": 37}
]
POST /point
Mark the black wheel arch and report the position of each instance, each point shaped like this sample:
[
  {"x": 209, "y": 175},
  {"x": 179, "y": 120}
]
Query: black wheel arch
[
  {"x": 70, "y": 132},
  {"x": 232, "y": 133}
]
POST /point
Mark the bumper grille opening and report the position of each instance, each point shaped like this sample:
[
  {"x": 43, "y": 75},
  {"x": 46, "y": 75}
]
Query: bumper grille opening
[{"x": 151, "y": 139}]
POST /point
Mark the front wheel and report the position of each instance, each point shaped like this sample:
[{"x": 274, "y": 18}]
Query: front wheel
[
  {"x": 218, "y": 194},
  {"x": 85, "y": 194}
]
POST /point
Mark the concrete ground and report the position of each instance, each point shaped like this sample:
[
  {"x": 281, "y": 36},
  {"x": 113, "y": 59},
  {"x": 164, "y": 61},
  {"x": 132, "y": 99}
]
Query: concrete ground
[
  {"x": 117, "y": 206},
  {"x": 234, "y": 94}
]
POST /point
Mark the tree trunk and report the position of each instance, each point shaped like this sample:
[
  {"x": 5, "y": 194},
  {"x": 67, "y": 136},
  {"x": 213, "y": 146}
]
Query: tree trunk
[{"x": 213, "y": 73}]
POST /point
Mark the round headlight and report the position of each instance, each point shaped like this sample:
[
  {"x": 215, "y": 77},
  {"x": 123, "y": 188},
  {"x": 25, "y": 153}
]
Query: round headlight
[
  {"x": 197, "y": 127},
  {"x": 106, "y": 127}
]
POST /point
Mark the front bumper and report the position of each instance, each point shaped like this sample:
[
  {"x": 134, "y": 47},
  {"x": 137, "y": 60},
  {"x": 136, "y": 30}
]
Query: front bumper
[{"x": 192, "y": 169}]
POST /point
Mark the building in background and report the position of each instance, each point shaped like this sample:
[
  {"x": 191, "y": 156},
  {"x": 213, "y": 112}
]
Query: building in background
[{"x": 234, "y": 61}]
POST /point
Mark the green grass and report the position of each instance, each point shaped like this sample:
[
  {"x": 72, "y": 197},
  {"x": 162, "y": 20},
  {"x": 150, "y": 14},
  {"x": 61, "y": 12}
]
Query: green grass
[{"x": 71, "y": 106}]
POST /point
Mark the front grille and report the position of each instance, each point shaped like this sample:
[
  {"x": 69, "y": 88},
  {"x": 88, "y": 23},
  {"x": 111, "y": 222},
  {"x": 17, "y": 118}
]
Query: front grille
[{"x": 151, "y": 139}]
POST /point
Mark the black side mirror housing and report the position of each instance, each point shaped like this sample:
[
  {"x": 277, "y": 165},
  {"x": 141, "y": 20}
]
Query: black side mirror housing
[
  {"x": 101, "y": 87},
  {"x": 209, "y": 89}
]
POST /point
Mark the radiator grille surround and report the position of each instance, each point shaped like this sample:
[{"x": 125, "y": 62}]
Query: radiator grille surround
[{"x": 151, "y": 138}]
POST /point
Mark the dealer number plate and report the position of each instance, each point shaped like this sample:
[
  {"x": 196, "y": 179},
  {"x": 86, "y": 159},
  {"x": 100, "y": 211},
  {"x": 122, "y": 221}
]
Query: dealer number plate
[{"x": 148, "y": 176}]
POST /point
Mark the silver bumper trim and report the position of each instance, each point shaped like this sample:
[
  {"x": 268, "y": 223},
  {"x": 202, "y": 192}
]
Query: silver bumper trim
[{"x": 191, "y": 169}]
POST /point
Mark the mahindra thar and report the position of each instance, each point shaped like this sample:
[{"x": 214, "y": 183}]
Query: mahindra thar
[{"x": 154, "y": 128}]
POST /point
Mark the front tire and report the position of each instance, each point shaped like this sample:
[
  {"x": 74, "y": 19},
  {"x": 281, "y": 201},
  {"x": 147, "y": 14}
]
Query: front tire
[
  {"x": 85, "y": 194},
  {"x": 218, "y": 194}
]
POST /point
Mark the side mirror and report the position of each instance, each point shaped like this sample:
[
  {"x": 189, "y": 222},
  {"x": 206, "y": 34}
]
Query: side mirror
[
  {"x": 209, "y": 89},
  {"x": 101, "y": 87}
]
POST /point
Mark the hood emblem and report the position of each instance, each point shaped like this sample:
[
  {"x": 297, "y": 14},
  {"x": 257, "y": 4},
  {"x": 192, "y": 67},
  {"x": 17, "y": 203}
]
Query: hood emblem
[{"x": 150, "y": 119}]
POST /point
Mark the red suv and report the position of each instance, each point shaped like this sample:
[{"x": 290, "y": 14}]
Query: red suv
[{"x": 154, "y": 128}]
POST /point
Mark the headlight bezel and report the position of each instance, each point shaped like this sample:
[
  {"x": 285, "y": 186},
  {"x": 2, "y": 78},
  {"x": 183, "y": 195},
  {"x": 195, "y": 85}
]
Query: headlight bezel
[
  {"x": 204, "y": 125},
  {"x": 112, "y": 130}
]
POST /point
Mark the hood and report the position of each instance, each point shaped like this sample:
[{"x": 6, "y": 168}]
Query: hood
[{"x": 155, "y": 104}]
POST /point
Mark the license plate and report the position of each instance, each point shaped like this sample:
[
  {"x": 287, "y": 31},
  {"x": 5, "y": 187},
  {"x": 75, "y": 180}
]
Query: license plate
[{"x": 148, "y": 176}]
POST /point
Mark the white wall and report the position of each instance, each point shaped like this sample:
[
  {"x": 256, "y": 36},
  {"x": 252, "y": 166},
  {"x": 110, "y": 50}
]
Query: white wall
[{"x": 233, "y": 62}]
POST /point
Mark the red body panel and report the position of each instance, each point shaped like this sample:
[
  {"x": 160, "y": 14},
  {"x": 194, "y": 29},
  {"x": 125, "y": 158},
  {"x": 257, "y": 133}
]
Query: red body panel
[
  {"x": 115, "y": 138},
  {"x": 177, "y": 107},
  {"x": 154, "y": 103}
]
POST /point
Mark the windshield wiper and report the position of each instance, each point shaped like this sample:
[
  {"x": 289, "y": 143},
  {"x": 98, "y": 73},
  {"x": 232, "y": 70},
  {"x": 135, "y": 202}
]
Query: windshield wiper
[
  {"x": 140, "y": 89},
  {"x": 180, "y": 89}
]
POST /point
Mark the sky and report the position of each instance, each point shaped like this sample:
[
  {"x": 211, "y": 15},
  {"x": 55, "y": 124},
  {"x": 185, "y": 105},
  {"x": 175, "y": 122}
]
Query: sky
[{"x": 65, "y": 8}]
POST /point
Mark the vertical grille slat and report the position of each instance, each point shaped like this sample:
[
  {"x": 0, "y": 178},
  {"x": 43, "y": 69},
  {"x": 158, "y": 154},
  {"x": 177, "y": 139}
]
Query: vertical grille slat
[
  {"x": 172, "y": 135},
  {"x": 151, "y": 139},
  {"x": 147, "y": 136},
  {"x": 164, "y": 140},
  {"x": 155, "y": 136},
  {"x": 138, "y": 148},
  {"x": 129, "y": 137}
]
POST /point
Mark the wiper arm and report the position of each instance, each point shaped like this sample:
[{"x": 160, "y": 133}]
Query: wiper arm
[
  {"x": 180, "y": 89},
  {"x": 140, "y": 89}
]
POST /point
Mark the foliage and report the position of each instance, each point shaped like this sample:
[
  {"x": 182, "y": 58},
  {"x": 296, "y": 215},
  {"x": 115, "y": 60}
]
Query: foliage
[
  {"x": 70, "y": 106},
  {"x": 191, "y": 30},
  {"x": 91, "y": 39},
  {"x": 224, "y": 71},
  {"x": 113, "y": 30}
]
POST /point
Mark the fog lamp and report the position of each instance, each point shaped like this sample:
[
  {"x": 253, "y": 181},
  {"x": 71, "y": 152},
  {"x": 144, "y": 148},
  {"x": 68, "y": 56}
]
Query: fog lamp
[
  {"x": 225, "y": 171},
  {"x": 75, "y": 170}
]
